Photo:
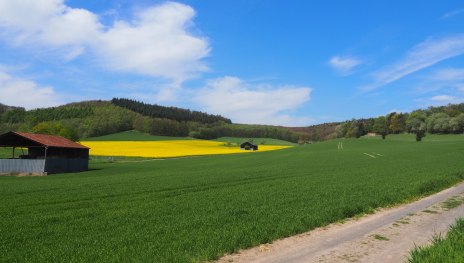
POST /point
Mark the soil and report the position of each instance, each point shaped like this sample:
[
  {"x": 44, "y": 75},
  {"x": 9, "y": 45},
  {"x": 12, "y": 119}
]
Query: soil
[{"x": 385, "y": 236}]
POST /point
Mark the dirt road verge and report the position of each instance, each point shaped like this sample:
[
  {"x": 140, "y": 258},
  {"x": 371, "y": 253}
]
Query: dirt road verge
[{"x": 386, "y": 236}]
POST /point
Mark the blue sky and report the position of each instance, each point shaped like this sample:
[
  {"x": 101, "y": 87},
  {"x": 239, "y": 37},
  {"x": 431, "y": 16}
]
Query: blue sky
[{"x": 293, "y": 63}]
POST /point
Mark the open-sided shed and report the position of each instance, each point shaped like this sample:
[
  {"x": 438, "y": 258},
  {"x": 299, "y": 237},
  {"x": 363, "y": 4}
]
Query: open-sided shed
[{"x": 45, "y": 154}]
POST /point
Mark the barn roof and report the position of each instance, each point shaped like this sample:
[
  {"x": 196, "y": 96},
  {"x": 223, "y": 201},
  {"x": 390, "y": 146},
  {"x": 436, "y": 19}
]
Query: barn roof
[{"x": 17, "y": 139}]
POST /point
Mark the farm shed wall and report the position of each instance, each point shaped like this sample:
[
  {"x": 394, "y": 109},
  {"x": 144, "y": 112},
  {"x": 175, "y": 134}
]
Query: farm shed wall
[
  {"x": 64, "y": 165},
  {"x": 21, "y": 166}
]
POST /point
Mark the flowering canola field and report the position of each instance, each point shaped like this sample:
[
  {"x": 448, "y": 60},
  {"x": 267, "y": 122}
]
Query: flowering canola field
[{"x": 163, "y": 149}]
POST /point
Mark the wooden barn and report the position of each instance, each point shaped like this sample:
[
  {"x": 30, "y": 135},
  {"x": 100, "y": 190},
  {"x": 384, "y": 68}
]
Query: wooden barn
[
  {"x": 45, "y": 154},
  {"x": 248, "y": 146}
]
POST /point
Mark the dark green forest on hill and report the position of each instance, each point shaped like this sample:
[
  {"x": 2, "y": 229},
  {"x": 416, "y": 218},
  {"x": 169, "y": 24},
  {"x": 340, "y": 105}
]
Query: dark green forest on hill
[{"x": 96, "y": 118}]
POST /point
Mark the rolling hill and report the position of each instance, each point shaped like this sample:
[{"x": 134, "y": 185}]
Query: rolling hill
[{"x": 99, "y": 118}]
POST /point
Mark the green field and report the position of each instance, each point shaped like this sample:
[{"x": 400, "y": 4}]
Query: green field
[
  {"x": 7, "y": 152},
  {"x": 259, "y": 141},
  {"x": 449, "y": 249},
  {"x": 134, "y": 136},
  {"x": 195, "y": 209}
]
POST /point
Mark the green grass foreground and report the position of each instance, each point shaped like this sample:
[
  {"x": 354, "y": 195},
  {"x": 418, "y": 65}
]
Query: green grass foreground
[
  {"x": 195, "y": 209},
  {"x": 449, "y": 249}
]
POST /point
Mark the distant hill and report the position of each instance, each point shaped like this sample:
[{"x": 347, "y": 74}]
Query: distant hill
[
  {"x": 320, "y": 132},
  {"x": 4, "y": 108},
  {"x": 98, "y": 118}
]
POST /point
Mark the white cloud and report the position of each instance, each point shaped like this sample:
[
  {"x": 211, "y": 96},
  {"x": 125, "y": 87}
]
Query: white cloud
[
  {"x": 419, "y": 57},
  {"x": 47, "y": 23},
  {"x": 25, "y": 93},
  {"x": 249, "y": 103},
  {"x": 160, "y": 93},
  {"x": 28, "y": 15},
  {"x": 449, "y": 74},
  {"x": 442, "y": 98},
  {"x": 460, "y": 87},
  {"x": 453, "y": 13},
  {"x": 344, "y": 65},
  {"x": 448, "y": 80},
  {"x": 156, "y": 42},
  {"x": 439, "y": 100}
]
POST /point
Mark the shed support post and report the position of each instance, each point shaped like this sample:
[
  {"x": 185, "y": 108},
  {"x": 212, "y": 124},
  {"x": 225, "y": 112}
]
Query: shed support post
[
  {"x": 13, "y": 153},
  {"x": 45, "y": 164}
]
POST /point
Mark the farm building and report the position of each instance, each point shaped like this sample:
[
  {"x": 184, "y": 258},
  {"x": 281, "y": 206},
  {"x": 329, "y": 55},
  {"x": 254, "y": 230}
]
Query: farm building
[
  {"x": 248, "y": 146},
  {"x": 45, "y": 154}
]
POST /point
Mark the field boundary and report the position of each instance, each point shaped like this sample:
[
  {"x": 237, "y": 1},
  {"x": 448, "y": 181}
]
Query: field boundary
[{"x": 318, "y": 244}]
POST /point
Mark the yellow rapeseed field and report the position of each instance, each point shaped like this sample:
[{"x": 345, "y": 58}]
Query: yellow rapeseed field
[{"x": 163, "y": 149}]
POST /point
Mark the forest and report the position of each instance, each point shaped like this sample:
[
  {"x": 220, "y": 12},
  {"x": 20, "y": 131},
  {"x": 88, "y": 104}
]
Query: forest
[{"x": 447, "y": 119}]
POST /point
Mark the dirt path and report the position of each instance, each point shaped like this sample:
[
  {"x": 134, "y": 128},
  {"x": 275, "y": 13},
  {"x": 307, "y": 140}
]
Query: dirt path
[{"x": 386, "y": 236}]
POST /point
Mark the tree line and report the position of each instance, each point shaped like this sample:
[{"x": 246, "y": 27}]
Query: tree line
[
  {"x": 435, "y": 120},
  {"x": 245, "y": 131},
  {"x": 18, "y": 115}
]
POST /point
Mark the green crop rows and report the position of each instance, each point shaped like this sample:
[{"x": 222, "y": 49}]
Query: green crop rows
[
  {"x": 195, "y": 209},
  {"x": 134, "y": 136}
]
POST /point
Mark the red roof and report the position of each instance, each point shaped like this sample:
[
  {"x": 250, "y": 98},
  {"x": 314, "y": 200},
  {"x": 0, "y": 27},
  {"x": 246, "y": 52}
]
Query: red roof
[{"x": 51, "y": 140}]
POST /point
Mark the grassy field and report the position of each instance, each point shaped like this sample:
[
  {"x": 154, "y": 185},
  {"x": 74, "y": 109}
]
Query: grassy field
[
  {"x": 449, "y": 249},
  {"x": 258, "y": 141},
  {"x": 134, "y": 136},
  {"x": 195, "y": 209},
  {"x": 7, "y": 152}
]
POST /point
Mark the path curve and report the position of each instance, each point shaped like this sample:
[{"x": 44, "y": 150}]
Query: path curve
[{"x": 386, "y": 236}]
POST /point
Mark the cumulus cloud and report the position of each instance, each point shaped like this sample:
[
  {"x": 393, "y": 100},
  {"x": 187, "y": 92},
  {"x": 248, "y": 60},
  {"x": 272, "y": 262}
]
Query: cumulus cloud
[
  {"x": 421, "y": 56},
  {"x": 344, "y": 65},
  {"x": 25, "y": 93},
  {"x": 49, "y": 24},
  {"x": 250, "y": 103},
  {"x": 156, "y": 42},
  {"x": 442, "y": 98}
]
